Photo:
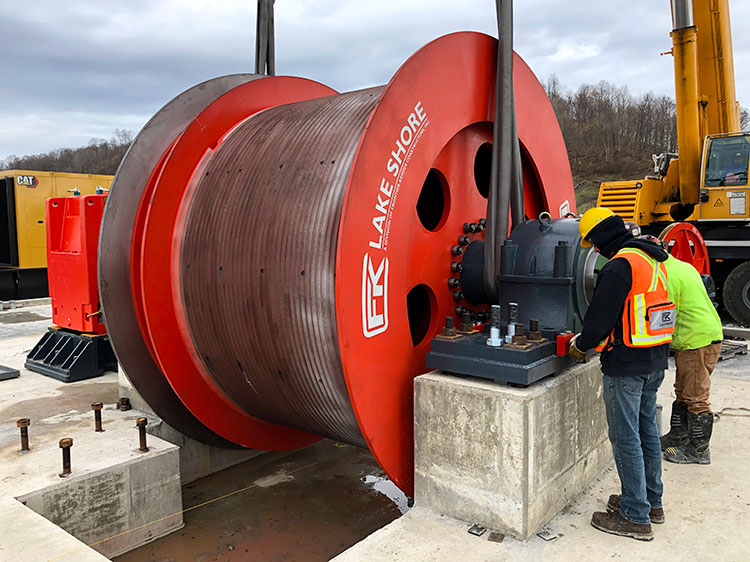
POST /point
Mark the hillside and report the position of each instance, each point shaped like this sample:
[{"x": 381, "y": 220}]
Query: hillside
[
  {"x": 609, "y": 133},
  {"x": 100, "y": 156}
]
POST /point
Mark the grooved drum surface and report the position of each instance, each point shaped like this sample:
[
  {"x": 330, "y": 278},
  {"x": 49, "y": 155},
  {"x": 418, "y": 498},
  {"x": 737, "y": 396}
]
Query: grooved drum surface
[{"x": 257, "y": 262}]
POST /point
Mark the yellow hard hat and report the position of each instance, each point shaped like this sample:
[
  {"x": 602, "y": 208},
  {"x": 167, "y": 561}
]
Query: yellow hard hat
[{"x": 589, "y": 220}]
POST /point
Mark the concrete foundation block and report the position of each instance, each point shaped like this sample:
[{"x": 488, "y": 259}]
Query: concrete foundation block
[
  {"x": 508, "y": 458},
  {"x": 118, "y": 507},
  {"x": 196, "y": 459}
]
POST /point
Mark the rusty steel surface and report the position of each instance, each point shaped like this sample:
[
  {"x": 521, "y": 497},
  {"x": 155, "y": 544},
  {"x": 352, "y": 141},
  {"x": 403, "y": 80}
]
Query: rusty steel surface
[
  {"x": 263, "y": 322},
  {"x": 290, "y": 266}
]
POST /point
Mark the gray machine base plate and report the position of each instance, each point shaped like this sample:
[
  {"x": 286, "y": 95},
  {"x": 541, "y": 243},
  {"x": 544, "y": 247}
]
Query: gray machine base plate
[
  {"x": 470, "y": 355},
  {"x": 8, "y": 373}
]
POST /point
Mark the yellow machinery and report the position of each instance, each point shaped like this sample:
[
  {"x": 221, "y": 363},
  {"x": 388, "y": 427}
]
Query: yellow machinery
[
  {"x": 23, "y": 233},
  {"x": 707, "y": 184}
]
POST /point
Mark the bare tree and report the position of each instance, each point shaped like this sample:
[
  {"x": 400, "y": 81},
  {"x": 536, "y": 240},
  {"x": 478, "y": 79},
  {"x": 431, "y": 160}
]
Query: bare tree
[{"x": 99, "y": 156}]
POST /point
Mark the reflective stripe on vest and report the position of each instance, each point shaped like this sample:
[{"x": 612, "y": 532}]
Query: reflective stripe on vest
[{"x": 648, "y": 317}]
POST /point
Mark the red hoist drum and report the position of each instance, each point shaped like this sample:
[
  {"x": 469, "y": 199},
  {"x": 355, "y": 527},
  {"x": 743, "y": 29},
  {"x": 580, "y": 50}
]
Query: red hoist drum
[
  {"x": 275, "y": 257},
  {"x": 685, "y": 242}
]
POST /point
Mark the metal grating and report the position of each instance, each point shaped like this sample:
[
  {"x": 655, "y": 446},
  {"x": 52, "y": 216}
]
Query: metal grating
[{"x": 621, "y": 201}]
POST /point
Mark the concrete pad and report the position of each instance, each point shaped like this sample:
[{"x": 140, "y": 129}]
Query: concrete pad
[
  {"x": 737, "y": 332},
  {"x": 26, "y": 535},
  {"x": 113, "y": 488},
  {"x": 116, "y": 497},
  {"x": 706, "y": 506},
  {"x": 503, "y": 457}
]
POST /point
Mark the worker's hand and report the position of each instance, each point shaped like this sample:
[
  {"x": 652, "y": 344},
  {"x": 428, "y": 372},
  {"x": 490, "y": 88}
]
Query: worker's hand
[
  {"x": 732, "y": 179},
  {"x": 576, "y": 353}
]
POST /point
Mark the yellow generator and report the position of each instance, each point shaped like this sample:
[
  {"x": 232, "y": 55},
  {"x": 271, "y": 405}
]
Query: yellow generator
[{"x": 23, "y": 233}]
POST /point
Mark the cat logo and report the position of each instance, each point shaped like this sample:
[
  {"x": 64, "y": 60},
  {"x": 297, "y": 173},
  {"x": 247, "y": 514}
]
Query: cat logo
[
  {"x": 719, "y": 203},
  {"x": 27, "y": 181}
]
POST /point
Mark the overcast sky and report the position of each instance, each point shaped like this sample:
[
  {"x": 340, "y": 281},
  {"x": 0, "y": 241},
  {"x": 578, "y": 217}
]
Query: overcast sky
[{"x": 77, "y": 70}]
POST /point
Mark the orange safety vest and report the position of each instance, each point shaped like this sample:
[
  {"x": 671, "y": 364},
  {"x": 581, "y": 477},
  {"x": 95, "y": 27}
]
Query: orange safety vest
[{"x": 648, "y": 317}]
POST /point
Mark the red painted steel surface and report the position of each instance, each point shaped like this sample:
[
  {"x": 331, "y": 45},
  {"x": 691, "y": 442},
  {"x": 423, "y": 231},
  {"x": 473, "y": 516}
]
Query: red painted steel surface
[
  {"x": 448, "y": 87},
  {"x": 358, "y": 251},
  {"x": 72, "y": 238},
  {"x": 155, "y": 263},
  {"x": 685, "y": 242},
  {"x": 116, "y": 290}
]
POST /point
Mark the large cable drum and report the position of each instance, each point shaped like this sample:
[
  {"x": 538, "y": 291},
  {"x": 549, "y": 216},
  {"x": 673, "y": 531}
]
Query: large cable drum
[{"x": 287, "y": 251}]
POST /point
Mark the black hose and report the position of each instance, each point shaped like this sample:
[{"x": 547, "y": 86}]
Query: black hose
[
  {"x": 517, "y": 213},
  {"x": 504, "y": 157},
  {"x": 265, "y": 57}
]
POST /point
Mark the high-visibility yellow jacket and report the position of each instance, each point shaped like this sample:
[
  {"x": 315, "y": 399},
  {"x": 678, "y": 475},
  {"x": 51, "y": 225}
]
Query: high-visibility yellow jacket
[{"x": 698, "y": 323}]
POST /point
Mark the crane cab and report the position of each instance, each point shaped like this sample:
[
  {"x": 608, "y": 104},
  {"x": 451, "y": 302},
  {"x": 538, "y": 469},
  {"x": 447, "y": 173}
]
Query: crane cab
[{"x": 724, "y": 190}]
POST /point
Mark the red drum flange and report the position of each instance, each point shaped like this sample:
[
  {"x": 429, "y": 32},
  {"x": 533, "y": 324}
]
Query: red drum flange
[
  {"x": 154, "y": 260},
  {"x": 147, "y": 154},
  {"x": 290, "y": 266},
  {"x": 685, "y": 242},
  {"x": 446, "y": 89}
]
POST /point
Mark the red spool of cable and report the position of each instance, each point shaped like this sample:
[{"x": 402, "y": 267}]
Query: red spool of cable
[{"x": 289, "y": 250}]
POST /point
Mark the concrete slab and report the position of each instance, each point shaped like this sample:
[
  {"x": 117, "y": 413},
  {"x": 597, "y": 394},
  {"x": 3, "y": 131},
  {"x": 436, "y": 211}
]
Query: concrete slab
[
  {"x": 26, "y": 535},
  {"x": 116, "y": 497},
  {"x": 113, "y": 489},
  {"x": 507, "y": 458},
  {"x": 706, "y": 506},
  {"x": 737, "y": 332}
]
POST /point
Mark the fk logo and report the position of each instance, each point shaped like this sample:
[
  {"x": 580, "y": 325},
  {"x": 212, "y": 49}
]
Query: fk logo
[{"x": 374, "y": 297}]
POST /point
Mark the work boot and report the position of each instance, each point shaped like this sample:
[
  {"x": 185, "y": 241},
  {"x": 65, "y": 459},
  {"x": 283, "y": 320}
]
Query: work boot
[
  {"x": 696, "y": 451},
  {"x": 616, "y": 524},
  {"x": 656, "y": 514},
  {"x": 678, "y": 427}
]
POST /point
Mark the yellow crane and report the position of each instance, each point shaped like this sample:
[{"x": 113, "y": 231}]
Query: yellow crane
[{"x": 706, "y": 182}]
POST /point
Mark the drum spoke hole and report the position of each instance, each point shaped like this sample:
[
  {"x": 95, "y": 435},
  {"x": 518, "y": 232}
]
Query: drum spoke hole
[
  {"x": 483, "y": 169},
  {"x": 419, "y": 304},
  {"x": 434, "y": 201}
]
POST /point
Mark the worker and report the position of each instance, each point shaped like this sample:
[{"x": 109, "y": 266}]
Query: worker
[
  {"x": 634, "y": 357},
  {"x": 735, "y": 173},
  {"x": 697, "y": 341}
]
